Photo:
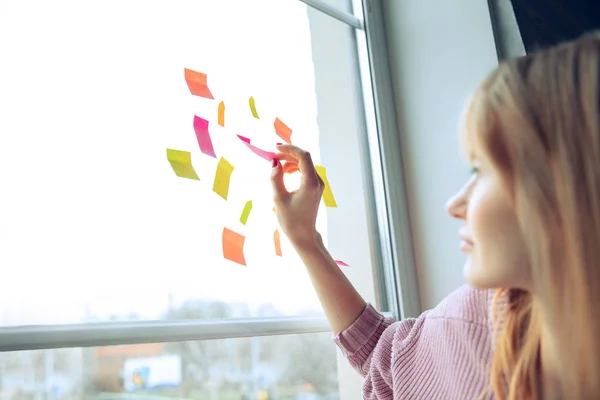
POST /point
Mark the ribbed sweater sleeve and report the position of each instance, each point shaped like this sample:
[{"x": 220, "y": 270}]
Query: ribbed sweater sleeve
[{"x": 445, "y": 353}]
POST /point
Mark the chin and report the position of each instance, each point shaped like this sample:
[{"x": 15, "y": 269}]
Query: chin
[{"x": 476, "y": 277}]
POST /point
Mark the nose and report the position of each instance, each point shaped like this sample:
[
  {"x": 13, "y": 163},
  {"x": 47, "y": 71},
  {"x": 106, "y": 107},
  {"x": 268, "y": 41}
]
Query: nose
[{"x": 456, "y": 206}]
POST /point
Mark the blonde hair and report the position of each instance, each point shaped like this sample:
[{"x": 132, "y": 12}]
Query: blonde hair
[{"x": 537, "y": 119}]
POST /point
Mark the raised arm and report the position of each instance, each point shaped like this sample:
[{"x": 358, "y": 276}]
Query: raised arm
[{"x": 297, "y": 214}]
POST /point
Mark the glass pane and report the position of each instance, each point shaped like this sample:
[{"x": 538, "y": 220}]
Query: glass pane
[
  {"x": 95, "y": 224},
  {"x": 295, "y": 367}
]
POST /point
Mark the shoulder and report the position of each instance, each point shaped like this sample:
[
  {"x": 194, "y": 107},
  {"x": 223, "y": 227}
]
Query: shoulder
[
  {"x": 465, "y": 307},
  {"x": 466, "y": 304},
  {"x": 444, "y": 350},
  {"x": 453, "y": 340}
]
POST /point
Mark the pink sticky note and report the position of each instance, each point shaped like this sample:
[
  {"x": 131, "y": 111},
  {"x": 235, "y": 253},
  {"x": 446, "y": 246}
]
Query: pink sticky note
[
  {"x": 201, "y": 128},
  {"x": 341, "y": 263},
  {"x": 267, "y": 155}
]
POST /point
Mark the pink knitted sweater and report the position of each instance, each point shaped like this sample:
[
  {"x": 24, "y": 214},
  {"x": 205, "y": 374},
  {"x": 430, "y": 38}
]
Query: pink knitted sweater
[{"x": 443, "y": 354}]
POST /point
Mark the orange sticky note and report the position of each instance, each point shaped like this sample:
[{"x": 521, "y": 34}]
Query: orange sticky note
[
  {"x": 222, "y": 178},
  {"x": 283, "y": 131},
  {"x": 277, "y": 239},
  {"x": 196, "y": 82},
  {"x": 328, "y": 198},
  {"x": 222, "y": 114},
  {"x": 253, "y": 107},
  {"x": 233, "y": 246}
]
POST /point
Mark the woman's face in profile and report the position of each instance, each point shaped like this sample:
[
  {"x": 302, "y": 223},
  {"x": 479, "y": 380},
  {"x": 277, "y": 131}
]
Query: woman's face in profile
[{"x": 490, "y": 235}]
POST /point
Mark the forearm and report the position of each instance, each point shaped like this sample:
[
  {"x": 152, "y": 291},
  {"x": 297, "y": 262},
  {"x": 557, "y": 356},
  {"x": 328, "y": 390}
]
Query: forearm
[{"x": 340, "y": 300}]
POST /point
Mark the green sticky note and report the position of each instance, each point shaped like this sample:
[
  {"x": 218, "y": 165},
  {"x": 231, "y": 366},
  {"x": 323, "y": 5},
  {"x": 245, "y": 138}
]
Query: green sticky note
[
  {"x": 222, "y": 177},
  {"x": 246, "y": 212},
  {"x": 181, "y": 162},
  {"x": 253, "y": 108}
]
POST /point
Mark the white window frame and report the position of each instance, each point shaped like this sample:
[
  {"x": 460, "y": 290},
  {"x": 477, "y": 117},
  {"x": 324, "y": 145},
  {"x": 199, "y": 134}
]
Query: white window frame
[
  {"x": 394, "y": 264},
  {"x": 392, "y": 253}
]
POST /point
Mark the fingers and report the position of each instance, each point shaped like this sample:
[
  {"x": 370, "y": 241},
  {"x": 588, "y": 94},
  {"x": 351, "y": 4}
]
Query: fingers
[
  {"x": 291, "y": 150},
  {"x": 279, "y": 190},
  {"x": 304, "y": 160},
  {"x": 290, "y": 167},
  {"x": 291, "y": 162},
  {"x": 286, "y": 157}
]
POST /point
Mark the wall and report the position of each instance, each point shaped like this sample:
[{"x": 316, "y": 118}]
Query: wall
[{"x": 438, "y": 53}]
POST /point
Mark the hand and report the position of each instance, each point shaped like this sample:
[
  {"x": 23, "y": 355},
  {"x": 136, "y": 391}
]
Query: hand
[{"x": 297, "y": 210}]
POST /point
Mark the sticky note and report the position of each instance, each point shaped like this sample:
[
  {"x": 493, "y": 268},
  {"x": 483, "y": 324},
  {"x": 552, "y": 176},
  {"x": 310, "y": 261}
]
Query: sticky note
[
  {"x": 246, "y": 212},
  {"x": 222, "y": 114},
  {"x": 341, "y": 263},
  {"x": 327, "y": 193},
  {"x": 197, "y": 84},
  {"x": 283, "y": 131},
  {"x": 267, "y": 155},
  {"x": 277, "y": 240},
  {"x": 233, "y": 246},
  {"x": 222, "y": 177},
  {"x": 204, "y": 141},
  {"x": 243, "y": 138},
  {"x": 253, "y": 107},
  {"x": 181, "y": 162}
]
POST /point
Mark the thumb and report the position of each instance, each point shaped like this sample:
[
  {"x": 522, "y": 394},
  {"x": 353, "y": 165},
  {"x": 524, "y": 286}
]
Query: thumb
[{"x": 279, "y": 190}]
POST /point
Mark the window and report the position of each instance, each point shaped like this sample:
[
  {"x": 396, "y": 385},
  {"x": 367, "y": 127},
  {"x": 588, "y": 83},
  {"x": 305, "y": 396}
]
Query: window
[
  {"x": 287, "y": 366},
  {"x": 115, "y": 265},
  {"x": 95, "y": 100}
]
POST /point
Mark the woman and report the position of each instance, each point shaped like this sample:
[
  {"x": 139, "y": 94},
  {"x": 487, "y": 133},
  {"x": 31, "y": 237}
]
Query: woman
[{"x": 526, "y": 327}]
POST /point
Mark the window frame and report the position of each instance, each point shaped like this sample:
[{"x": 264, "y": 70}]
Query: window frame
[
  {"x": 40, "y": 337},
  {"x": 395, "y": 267}
]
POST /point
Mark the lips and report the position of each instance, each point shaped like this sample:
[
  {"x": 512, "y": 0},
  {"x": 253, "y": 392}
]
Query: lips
[
  {"x": 465, "y": 246},
  {"x": 466, "y": 243}
]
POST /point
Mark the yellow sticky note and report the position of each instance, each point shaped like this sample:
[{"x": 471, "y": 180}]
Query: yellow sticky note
[
  {"x": 181, "y": 162},
  {"x": 222, "y": 177},
  {"x": 253, "y": 107},
  {"x": 246, "y": 212},
  {"x": 327, "y": 193}
]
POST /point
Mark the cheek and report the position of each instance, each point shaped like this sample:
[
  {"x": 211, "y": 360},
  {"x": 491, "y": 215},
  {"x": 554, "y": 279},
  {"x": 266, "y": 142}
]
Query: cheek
[
  {"x": 484, "y": 216},
  {"x": 498, "y": 255}
]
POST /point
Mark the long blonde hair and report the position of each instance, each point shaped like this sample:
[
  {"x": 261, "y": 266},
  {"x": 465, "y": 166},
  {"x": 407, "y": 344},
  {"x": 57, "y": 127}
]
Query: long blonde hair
[{"x": 537, "y": 118}]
